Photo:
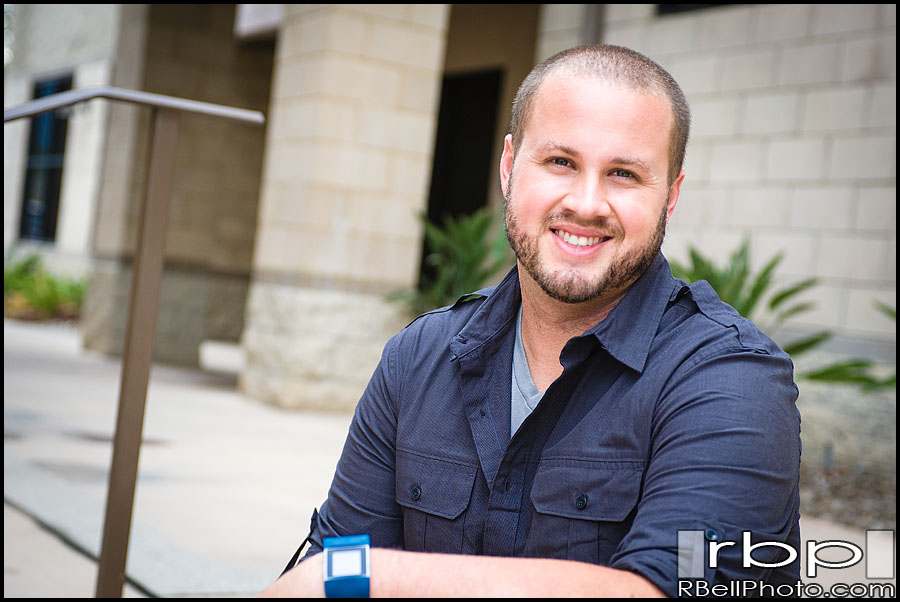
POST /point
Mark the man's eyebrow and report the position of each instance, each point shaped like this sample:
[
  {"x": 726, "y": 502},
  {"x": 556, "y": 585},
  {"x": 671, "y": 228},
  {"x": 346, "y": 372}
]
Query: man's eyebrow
[
  {"x": 555, "y": 147},
  {"x": 631, "y": 161}
]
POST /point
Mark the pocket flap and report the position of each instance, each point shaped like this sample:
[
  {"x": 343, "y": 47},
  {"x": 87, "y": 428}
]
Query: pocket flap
[
  {"x": 434, "y": 486},
  {"x": 585, "y": 489}
]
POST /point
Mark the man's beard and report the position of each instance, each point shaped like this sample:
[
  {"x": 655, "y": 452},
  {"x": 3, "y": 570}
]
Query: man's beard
[{"x": 570, "y": 286}]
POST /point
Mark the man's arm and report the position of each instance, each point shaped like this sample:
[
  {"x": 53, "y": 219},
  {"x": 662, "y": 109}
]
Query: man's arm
[
  {"x": 362, "y": 497},
  {"x": 397, "y": 573},
  {"x": 725, "y": 460}
]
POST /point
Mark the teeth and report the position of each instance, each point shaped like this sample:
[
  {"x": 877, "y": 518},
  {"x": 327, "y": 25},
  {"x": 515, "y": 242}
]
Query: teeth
[{"x": 578, "y": 241}]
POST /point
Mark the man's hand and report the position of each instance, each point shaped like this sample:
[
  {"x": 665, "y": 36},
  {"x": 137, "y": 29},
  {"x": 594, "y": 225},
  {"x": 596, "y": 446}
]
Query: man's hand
[{"x": 416, "y": 574}]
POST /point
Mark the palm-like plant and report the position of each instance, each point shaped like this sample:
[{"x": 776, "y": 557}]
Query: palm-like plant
[{"x": 462, "y": 258}]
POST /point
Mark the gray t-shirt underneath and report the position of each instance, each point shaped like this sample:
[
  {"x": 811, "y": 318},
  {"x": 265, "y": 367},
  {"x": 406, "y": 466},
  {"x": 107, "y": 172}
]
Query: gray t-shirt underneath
[{"x": 525, "y": 396}]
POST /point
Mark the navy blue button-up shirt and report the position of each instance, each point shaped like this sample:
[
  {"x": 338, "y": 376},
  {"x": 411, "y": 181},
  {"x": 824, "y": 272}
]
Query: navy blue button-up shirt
[{"x": 672, "y": 414}]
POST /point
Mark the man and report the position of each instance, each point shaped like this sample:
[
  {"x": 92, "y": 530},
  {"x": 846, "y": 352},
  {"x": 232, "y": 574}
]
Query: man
[{"x": 552, "y": 435}]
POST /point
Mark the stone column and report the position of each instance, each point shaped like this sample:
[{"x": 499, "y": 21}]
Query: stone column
[{"x": 347, "y": 168}]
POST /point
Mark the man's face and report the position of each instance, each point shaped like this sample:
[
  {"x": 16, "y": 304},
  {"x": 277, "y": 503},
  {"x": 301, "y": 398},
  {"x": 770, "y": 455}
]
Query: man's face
[{"x": 587, "y": 209}]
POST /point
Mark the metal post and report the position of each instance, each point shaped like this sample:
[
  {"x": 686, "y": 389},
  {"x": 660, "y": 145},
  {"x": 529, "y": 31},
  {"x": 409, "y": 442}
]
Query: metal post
[{"x": 143, "y": 307}]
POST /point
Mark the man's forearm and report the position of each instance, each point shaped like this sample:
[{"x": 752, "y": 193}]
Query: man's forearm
[{"x": 402, "y": 574}]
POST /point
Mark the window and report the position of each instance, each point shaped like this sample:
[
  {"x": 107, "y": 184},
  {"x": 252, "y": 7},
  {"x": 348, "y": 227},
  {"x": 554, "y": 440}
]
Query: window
[{"x": 43, "y": 170}]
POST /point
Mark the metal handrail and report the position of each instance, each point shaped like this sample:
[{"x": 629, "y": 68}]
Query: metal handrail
[
  {"x": 71, "y": 97},
  {"x": 143, "y": 307}
]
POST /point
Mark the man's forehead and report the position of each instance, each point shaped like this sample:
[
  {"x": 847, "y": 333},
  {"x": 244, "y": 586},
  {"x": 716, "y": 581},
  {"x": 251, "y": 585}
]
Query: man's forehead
[
  {"x": 562, "y": 86},
  {"x": 563, "y": 92},
  {"x": 563, "y": 83}
]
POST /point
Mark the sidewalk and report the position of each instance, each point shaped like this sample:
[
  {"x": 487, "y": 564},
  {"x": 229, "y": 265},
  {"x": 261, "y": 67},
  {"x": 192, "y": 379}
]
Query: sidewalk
[{"x": 225, "y": 488}]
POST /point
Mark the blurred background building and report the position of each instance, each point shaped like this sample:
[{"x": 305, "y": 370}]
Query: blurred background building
[{"x": 286, "y": 239}]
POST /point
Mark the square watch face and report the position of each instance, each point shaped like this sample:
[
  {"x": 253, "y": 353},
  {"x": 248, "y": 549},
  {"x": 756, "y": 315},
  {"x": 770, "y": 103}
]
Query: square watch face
[{"x": 346, "y": 562}]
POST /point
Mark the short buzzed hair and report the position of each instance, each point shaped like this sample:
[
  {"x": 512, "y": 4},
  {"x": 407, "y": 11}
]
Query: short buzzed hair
[{"x": 617, "y": 65}]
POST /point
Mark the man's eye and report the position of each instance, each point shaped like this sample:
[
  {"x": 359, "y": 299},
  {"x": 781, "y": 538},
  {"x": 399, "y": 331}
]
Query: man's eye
[
  {"x": 561, "y": 162},
  {"x": 622, "y": 173}
]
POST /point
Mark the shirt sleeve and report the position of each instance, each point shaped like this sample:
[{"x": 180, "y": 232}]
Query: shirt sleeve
[
  {"x": 361, "y": 498},
  {"x": 724, "y": 460}
]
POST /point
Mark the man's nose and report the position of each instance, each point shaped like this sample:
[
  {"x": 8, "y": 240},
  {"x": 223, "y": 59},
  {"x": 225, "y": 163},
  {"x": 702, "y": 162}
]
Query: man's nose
[{"x": 588, "y": 197}]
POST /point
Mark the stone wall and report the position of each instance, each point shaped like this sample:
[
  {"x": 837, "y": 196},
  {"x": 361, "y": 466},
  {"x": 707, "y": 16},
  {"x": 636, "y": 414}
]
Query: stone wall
[
  {"x": 793, "y": 141},
  {"x": 348, "y": 162},
  {"x": 314, "y": 349},
  {"x": 191, "y": 303}
]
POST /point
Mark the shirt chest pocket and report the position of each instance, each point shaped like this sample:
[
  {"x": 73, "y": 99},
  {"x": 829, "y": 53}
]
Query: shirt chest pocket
[
  {"x": 583, "y": 509},
  {"x": 434, "y": 495}
]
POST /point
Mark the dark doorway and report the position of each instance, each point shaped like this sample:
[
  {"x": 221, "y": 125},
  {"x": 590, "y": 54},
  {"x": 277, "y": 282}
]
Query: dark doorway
[
  {"x": 463, "y": 149},
  {"x": 43, "y": 171}
]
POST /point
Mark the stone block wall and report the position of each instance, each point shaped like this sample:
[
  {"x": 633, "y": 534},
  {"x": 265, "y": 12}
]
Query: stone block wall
[
  {"x": 350, "y": 141},
  {"x": 314, "y": 349},
  {"x": 560, "y": 27},
  {"x": 348, "y": 165},
  {"x": 793, "y": 142},
  {"x": 191, "y": 310}
]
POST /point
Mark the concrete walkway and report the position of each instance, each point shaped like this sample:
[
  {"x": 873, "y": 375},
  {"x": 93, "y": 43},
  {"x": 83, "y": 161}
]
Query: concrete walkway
[{"x": 225, "y": 488}]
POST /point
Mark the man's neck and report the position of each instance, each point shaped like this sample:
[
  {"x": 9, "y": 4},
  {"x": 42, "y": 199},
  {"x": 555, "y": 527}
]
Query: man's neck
[{"x": 548, "y": 324}]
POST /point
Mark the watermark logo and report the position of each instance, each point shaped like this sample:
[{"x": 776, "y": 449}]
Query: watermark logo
[
  {"x": 699, "y": 550},
  {"x": 742, "y": 589}
]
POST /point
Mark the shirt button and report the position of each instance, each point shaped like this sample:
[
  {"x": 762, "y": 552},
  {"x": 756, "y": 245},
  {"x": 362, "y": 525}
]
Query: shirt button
[
  {"x": 415, "y": 493},
  {"x": 711, "y": 535},
  {"x": 581, "y": 502}
]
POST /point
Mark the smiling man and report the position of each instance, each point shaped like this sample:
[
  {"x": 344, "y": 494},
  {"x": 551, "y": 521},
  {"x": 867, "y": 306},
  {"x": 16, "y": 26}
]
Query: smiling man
[{"x": 567, "y": 431}]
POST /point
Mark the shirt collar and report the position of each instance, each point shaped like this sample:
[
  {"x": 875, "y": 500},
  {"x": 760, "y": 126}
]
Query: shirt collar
[
  {"x": 494, "y": 315},
  {"x": 627, "y": 332}
]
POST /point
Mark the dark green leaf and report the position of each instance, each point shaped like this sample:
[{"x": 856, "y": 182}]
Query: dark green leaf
[
  {"x": 787, "y": 293},
  {"x": 760, "y": 285},
  {"x": 887, "y": 310},
  {"x": 679, "y": 271},
  {"x": 803, "y": 345},
  {"x": 794, "y": 310}
]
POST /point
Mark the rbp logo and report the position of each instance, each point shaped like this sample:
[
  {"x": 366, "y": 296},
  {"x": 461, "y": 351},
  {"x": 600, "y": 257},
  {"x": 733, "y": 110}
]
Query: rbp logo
[{"x": 697, "y": 551}]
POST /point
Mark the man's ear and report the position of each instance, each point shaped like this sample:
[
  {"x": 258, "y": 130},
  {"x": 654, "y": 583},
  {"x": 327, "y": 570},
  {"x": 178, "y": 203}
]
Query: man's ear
[
  {"x": 506, "y": 164},
  {"x": 674, "y": 192}
]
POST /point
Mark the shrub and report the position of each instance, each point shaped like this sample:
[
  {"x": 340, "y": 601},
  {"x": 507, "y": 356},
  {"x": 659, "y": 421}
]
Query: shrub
[
  {"x": 463, "y": 257},
  {"x": 30, "y": 292}
]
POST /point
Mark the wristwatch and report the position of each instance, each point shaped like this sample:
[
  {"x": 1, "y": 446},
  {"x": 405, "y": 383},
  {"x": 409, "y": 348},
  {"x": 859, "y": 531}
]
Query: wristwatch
[{"x": 346, "y": 566}]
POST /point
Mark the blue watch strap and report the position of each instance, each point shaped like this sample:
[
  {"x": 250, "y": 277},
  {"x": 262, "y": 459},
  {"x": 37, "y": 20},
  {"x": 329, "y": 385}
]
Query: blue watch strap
[{"x": 346, "y": 566}]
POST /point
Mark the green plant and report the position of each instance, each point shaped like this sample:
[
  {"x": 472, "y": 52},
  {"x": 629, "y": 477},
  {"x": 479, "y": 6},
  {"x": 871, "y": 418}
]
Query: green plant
[
  {"x": 30, "y": 292},
  {"x": 17, "y": 273},
  {"x": 858, "y": 371},
  {"x": 737, "y": 287},
  {"x": 744, "y": 291},
  {"x": 463, "y": 257}
]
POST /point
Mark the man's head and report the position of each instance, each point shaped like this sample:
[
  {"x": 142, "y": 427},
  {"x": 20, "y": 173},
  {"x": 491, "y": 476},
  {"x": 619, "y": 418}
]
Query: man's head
[
  {"x": 592, "y": 143},
  {"x": 617, "y": 65}
]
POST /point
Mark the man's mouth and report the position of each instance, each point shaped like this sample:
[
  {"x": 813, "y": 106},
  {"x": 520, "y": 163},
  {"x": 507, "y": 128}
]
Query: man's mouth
[{"x": 580, "y": 241}]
